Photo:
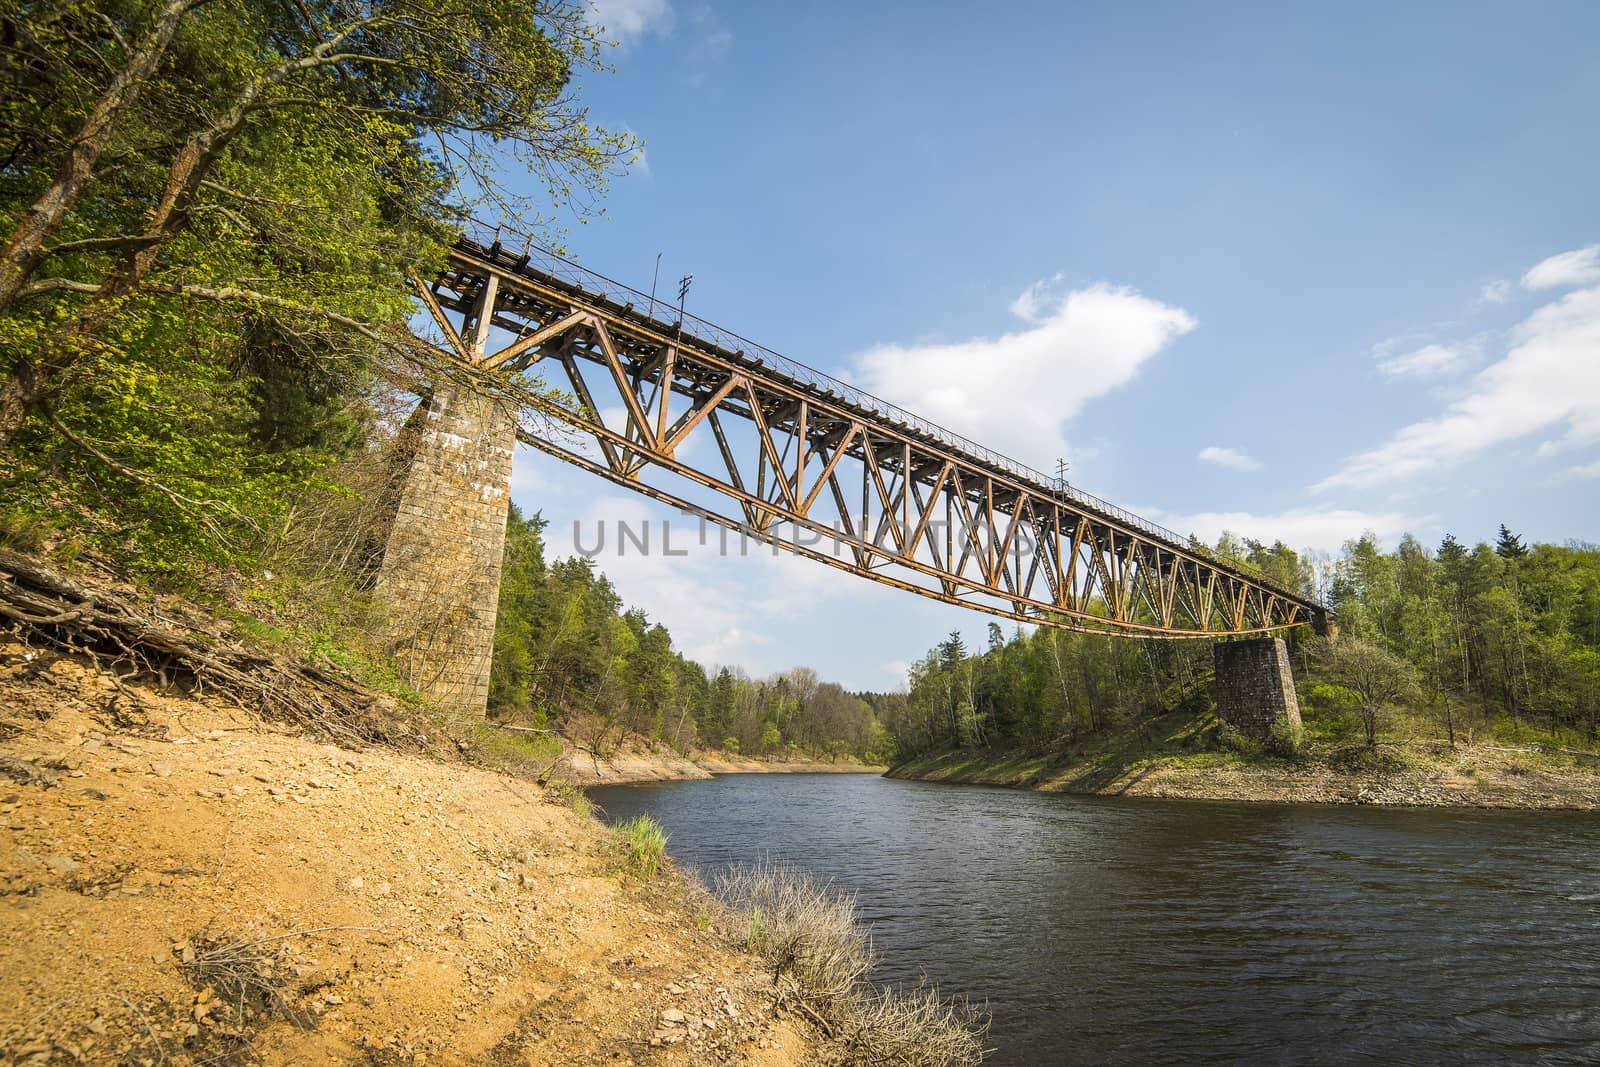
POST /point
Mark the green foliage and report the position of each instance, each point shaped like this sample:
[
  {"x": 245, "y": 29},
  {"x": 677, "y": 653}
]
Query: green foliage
[
  {"x": 1232, "y": 740},
  {"x": 1287, "y": 739},
  {"x": 1462, "y": 641},
  {"x": 756, "y": 934},
  {"x": 187, "y": 486},
  {"x": 567, "y": 653},
  {"x": 645, "y": 843},
  {"x": 199, "y": 316}
]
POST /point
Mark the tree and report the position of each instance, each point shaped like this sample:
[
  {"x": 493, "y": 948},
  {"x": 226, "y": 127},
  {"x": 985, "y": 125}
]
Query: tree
[
  {"x": 220, "y": 202},
  {"x": 1451, "y": 552},
  {"x": 1509, "y": 546},
  {"x": 1380, "y": 679}
]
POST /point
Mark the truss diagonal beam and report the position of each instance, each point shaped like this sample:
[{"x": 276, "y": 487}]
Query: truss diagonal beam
[{"x": 850, "y": 485}]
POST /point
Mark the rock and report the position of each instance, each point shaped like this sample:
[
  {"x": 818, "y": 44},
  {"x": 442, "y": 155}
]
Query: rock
[
  {"x": 161, "y": 770},
  {"x": 673, "y": 1016},
  {"x": 381, "y": 889},
  {"x": 356, "y": 883},
  {"x": 62, "y": 865}
]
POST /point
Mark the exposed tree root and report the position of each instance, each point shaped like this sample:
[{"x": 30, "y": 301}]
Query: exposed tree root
[{"x": 131, "y": 640}]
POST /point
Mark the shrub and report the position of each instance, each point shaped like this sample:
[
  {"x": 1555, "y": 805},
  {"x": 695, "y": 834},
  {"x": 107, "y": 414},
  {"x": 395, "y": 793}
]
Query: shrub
[
  {"x": 1287, "y": 739},
  {"x": 1233, "y": 741},
  {"x": 646, "y": 844}
]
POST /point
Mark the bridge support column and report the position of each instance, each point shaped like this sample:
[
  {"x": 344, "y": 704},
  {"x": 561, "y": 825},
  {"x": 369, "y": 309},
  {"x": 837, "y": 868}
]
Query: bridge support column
[
  {"x": 1254, "y": 685},
  {"x": 439, "y": 584}
]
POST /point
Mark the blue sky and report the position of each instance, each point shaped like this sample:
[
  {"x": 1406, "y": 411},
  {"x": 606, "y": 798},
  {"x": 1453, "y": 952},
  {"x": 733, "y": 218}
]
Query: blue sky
[{"x": 1296, "y": 272}]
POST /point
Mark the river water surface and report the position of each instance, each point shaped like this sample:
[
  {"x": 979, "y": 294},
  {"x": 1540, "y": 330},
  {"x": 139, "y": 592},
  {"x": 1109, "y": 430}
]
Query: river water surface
[{"x": 1143, "y": 931}]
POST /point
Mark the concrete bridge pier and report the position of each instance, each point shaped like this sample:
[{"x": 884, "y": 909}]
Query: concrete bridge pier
[
  {"x": 1255, "y": 686},
  {"x": 438, "y": 587}
]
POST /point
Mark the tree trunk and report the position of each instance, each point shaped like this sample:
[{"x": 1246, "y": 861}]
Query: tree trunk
[
  {"x": 24, "y": 248},
  {"x": 171, "y": 216},
  {"x": 17, "y": 397}
]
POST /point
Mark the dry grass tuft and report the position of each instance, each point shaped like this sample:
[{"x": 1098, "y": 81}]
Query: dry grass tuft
[
  {"x": 821, "y": 960},
  {"x": 251, "y": 983}
]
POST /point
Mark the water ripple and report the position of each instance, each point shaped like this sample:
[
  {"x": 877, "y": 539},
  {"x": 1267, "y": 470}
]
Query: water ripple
[{"x": 1142, "y": 931}]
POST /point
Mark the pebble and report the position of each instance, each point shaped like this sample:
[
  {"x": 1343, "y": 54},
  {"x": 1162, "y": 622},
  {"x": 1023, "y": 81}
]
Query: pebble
[{"x": 161, "y": 770}]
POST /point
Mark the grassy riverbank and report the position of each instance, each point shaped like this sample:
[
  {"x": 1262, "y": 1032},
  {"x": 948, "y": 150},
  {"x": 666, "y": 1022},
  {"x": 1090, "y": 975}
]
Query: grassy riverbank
[{"x": 1177, "y": 755}]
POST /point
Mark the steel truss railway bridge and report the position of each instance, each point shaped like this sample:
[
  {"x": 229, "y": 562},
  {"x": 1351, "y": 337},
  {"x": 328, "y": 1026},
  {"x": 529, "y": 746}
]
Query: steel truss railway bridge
[{"x": 689, "y": 414}]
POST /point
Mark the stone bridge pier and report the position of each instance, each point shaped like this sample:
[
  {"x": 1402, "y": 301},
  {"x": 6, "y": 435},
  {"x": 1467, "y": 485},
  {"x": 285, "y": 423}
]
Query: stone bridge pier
[
  {"x": 438, "y": 586},
  {"x": 1255, "y": 686}
]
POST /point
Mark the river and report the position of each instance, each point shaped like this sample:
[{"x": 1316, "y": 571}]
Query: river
[{"x": 1146, "y": 931}]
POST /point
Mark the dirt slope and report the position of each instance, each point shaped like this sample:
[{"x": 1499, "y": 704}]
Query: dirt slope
[{"x": 180, "y": 884}]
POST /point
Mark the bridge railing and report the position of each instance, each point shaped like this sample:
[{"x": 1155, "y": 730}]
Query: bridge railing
[{"x": 559, "y": 266}]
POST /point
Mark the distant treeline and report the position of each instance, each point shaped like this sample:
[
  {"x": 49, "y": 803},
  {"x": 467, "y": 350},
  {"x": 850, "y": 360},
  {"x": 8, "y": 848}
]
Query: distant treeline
[
  {"x": 1502, "y": 636},
  {"x": 568, "y": 654}
]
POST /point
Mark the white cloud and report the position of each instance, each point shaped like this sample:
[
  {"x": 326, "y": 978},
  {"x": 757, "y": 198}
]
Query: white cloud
[
  {"x": 712, "y": 40},
  {"x": 1012, "y": 393},
  {"x": 1587, "y": 470},
  {"x": 1548, "y": 380},
  {"x": 1228, "y": 457},
  {"x": 1567, "y": 270},
  {"x": 1324, "y": 530},
  {"x": 625, "y": 21},
  {"x": 718, "y": 596},
  {"x": 1035, "y": 302},
  {"x": 1429, "y": 359},
  {"x": 895, "y": 669},
  {"x": 1496, "y": 292}
]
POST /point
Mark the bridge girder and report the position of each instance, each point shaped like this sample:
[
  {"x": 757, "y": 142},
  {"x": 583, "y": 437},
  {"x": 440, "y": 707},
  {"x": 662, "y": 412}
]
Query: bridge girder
[{"x": 819, "y": 473}]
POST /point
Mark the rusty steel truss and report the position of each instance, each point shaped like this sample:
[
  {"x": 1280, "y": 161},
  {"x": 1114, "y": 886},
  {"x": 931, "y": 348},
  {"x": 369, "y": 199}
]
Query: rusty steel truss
[{"x": 795, "y": 458}]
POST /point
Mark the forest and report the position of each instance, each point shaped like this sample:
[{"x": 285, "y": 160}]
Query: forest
[
  {"x": 1502, "y": 640},
  {"x": 568, "y": 653}
]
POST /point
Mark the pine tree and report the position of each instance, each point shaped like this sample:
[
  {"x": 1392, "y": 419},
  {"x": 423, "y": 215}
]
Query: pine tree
[
  {"x": 1509, "y": 546},
  {"x": 952, "y": 651}
]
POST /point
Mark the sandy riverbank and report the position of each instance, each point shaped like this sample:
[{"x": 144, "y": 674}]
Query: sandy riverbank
[
  {"x": 663, "y": 765},
  {"x": 182, "y": 883}
]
